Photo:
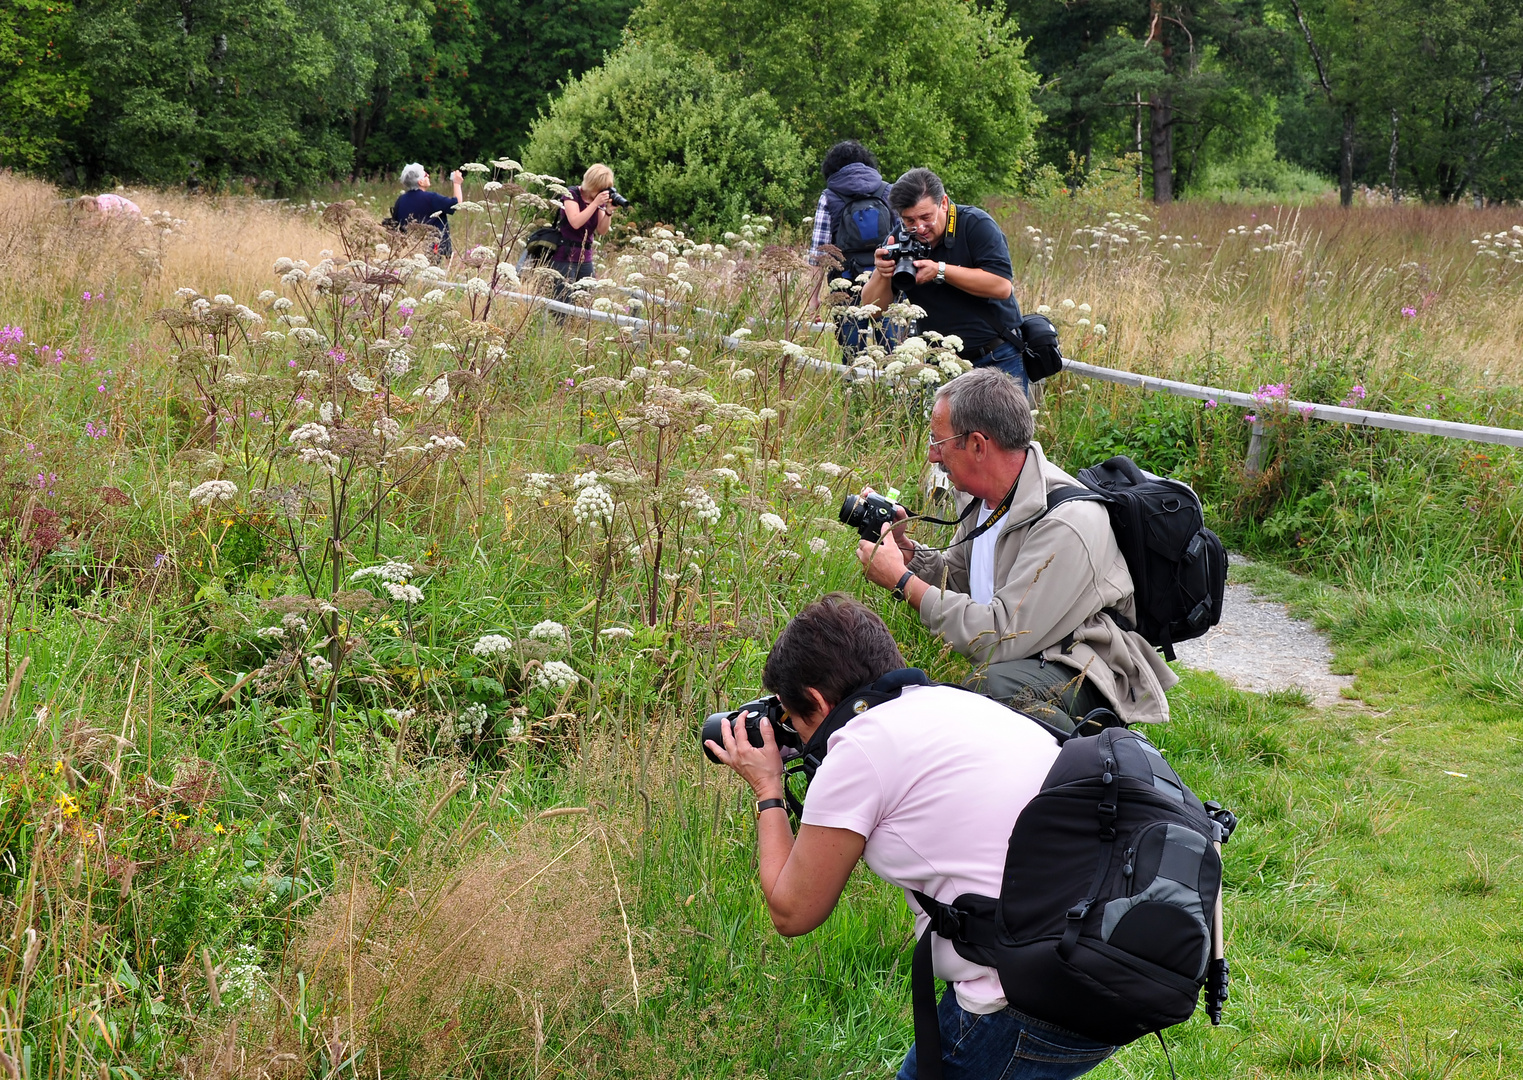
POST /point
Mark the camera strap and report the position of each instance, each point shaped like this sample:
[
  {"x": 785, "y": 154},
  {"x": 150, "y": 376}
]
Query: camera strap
[{"x": 994, "y": 518}]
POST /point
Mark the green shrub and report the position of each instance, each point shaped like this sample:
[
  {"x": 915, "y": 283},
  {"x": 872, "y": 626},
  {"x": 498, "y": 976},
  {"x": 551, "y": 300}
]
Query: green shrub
[{"x": 687, "y": 144}]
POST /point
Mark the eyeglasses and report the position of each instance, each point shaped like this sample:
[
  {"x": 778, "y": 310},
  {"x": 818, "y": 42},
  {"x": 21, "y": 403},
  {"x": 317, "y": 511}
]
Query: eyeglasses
[{"x": 937, "y": 442}]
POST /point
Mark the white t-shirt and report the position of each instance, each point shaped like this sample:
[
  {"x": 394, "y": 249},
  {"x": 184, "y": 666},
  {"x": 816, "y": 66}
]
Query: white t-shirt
[
  {"x": 981, "y": 561},
  {"x": 935, "y": 780}
]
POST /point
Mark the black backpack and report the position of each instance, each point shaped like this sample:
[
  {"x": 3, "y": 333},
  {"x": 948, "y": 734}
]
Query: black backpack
[
  {"x": 859, "y": 227},
  {"x": 1036, "y": 339},
  {"x": 1178, "y": 566},
  {"x": 541, "y": 245},
  {"x": 1107, "y": 923}
]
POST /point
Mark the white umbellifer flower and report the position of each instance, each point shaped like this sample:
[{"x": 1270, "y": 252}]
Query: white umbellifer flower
[
  {"x": 637, "y": 374},
  {"x": 387, "y": 427},
  {"x": 953, "y": 342},
  {"x": 555, "y": 676},
  {"x": 319, "y": 667},
  {"x": 1083, "y": 322},
  {"x": 400, "y": 716},
  {"x": 729, "y": 475},
  {"x": 617, "y": 633},
  {"x": 702, "y": 504},
  {"x": 305, "y": 335},
  {"x": 474, "y": 166},
  {"x": 186, "y": 293},
  {"x": 766, "y": 414},
  {"x": 327, "y": 412},
  {"x": 683, "y": 352},
  {"x": 246, "y": 314},
  {"x": 1100, "y": 329},
  {"x": 269, "y": 632},
  {"x": 398, "y": 363},
  {"x": 436, "y": 391},
  {"x": 316, "y": 455},
  {"x": 822, "y": 492},
  {"x": 433, "y": 296},
  {"x": 471, "y": 721},
  {"x": 407, "y": 594},
  {"x": 586, "y": 479},
  {"x": 281, "y": 303},
  {"x": 283, "y": 264},
  {"x": 829, "y": 468},
  {"x": 294, "y": 622},
  {"x": 549, "y": 630},
  {"x": 443, "y": 444},
  {"x": 310, "y": 376},
  {"x": 213, "y": 491},
  {"x": 593, "y": 503},
  {"x": 1067, "y": 305},
  {"x": 493, "y": 647},
  {"x": 773, "y": 523},
  {"x": 537, "y": 484},
  {"x": 386, "y": 571},
  {"x": 929, "y": 376},
  {"x": 744, "y": 374},
  {"x": 894, "y": 369},
  {"x": 311, "y": 435},
  {"x": 272, "y": 337},
  {"x": 733, "y": 413},
  {"x": 478, "y": 287},
  {"x": 818, "y": 545},
  {"x": 222, "y": 298},
  {"x": 363, "y": 383},
  {"x": 1084, "y": 309},
  {"x": 952, "y": 367}
]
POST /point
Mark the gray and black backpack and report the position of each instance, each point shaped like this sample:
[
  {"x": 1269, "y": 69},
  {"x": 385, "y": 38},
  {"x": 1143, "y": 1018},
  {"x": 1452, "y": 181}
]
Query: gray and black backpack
[{"x": 1107, "y": 920}]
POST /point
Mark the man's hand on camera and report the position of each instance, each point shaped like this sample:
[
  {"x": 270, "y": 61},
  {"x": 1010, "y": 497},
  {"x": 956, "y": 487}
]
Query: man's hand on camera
[
  {"x": 925, "y": 271},
  {"x": 883, "y": 562},
  {"x": 901, "y": 521},
  {"x": 761, "y": 767},
  {"x": 883, "y": 263}
]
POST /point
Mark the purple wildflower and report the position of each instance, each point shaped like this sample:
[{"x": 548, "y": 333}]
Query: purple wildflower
[
  {"x": 1409, "y": 313},
  {"x": 1210, "y": 403},
  {"x": 94, "y": 432},
  {"x": 1250, "y": 419}
]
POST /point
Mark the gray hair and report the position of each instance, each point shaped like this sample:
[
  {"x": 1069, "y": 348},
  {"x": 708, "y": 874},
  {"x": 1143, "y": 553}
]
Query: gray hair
[
  {"x": 913, "y": 186},
  {"x": 987, "y": 400},
  {"x": 411, "y": 175}
]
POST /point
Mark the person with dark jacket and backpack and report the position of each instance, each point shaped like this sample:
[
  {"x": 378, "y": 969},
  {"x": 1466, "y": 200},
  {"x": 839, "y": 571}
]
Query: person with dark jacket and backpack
[
  {"x": 418, "y": 204},
  {"x": 854, "y": 216},
  {"x": 922, "y": 782},
  {"x": 1041, "y": 600}
]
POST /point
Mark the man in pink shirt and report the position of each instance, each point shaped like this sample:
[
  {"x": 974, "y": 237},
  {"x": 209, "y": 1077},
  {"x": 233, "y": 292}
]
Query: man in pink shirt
[{"x": 926, "y": 788}]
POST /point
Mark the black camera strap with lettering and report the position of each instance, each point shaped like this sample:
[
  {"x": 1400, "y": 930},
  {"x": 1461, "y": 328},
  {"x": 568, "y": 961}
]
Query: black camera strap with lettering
[{"x": 1000, "y": 510}]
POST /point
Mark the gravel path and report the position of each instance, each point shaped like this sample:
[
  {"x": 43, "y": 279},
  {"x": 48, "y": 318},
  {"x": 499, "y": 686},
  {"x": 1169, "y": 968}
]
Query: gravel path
[{"x": 1258, "y": 646}]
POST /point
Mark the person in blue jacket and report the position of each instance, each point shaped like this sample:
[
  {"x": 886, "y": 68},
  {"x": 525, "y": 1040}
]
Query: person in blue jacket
[{"x": 418, "y": 203}]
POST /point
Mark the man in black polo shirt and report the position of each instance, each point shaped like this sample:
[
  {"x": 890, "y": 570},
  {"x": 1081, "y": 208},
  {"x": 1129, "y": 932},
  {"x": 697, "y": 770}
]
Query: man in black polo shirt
[{"x": 966, "y": 285}]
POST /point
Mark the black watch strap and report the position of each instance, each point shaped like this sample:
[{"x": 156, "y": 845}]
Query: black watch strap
[
  {"x": 769, "y": 804},
  {"x": 899, "y": 593}
]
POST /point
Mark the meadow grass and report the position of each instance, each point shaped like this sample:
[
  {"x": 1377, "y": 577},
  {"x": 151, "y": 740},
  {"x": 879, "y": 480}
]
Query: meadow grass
[{"x": 223, "y": 855}]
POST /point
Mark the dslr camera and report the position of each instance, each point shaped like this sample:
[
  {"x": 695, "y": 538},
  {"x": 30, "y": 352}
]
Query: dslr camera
[
  {"x": 867, "y": 513},
  {"x": 787, "y": 739},
  {"x": 904, "y": 249},
  {"x": 617, "y": 199}
]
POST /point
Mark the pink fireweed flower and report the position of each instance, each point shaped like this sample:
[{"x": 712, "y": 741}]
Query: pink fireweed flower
[
  {"x": 1354, "y": 397},
  {"x": 1250, "y": 419},
  {"x": 1210, "y": 403},
  {"x": 1409, "y": 313},
  {"x": 94, "y": 432},
  {"x": 1270, "y": 391}
]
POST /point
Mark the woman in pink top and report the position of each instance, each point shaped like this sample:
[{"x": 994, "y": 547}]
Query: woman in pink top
[
  {"x": 109, "y": 203},
  {"x": 925, "y": 788}
]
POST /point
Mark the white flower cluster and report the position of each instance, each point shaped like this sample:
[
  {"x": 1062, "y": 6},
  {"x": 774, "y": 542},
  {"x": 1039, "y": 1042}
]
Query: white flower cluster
[
  {"x": 554, "y": 676},
  {"x": 702, "y": 504},
  {"x": 471, "y": 721},
  {"x": 386, "y": 571},
  {"x": 732, "y": 413},
  {"x": 538, "y": 484},
  {"x": 270, "y": 632},
  {"x": 549, "y": 630},
  {"x": 311, "y": 435},
  {"x": 406, "y": 594},
  {"x": 617, "y": 633},
  {"x": 443, "y": 444},
  {"x": 829, "y": 468},
  {"x": 363, "y": 383},
  {"x": 593, "y": 503},
  {"x": 818, "y": 545},
  {"x": 773, "y": 523},
  {"x": 210, "y": 492},
  {"x": 399, "y": 716},
  {"x": 320, "y": 669},
  {"x": 492, "y": 647},
  {"x": 728, "y": 475}
]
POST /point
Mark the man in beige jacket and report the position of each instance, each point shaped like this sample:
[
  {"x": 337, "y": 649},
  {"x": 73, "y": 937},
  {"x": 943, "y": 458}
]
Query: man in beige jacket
[{"x": 1028, "y": 599}]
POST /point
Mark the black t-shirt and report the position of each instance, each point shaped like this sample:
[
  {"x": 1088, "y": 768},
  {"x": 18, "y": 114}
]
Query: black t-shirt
[{"x": 972, "y": 239}]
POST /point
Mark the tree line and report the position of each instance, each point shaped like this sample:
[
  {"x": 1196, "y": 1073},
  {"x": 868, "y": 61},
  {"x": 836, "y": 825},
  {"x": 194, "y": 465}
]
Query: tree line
[{"x": 706, "y": 106}]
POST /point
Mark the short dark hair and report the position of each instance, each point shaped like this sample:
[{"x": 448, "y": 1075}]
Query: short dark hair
[
  {"x": 844, "y": 153},
  {"x": 913, "y": 186},
  {"x": 836, "y": 645}
]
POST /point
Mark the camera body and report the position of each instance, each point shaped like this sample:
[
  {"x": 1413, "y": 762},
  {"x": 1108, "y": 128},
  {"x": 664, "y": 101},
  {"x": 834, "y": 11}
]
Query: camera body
[
  {"x": 769, "y": 707},
  {"x": 867, "y": 514},
  {"x": 904, "y": 248},
  {"x": 617, "y": 199}
]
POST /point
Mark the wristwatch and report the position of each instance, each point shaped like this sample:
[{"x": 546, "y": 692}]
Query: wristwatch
[
  {"x": 899, "y": 593},
  {"x": 941, "y": 273},
  {"x": 768, "y": 804}
]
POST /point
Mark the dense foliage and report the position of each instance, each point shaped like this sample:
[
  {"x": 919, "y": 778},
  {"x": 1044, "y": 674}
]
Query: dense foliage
[{"x": 685, "y": 140}]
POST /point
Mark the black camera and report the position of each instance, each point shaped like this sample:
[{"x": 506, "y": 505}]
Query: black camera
[
  {"x": 904, "y": 249},
  {"x": 769, "y": 707},
  {"x": 617, "y": 199},
  {"x": 867, "y": 513}
]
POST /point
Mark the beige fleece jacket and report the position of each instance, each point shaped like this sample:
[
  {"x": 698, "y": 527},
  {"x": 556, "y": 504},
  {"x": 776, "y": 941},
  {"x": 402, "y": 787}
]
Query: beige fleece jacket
[{"x": 1051, "y": 577}]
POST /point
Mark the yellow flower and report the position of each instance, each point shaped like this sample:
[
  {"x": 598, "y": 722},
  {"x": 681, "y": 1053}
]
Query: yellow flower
[
  {"x": 57, "y": 767},
  {"x": 67, "y": 804},
  {"x": 218, "y": 829}
]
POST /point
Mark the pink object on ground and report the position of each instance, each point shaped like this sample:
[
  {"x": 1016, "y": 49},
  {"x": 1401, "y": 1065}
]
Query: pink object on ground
[{"x": 116, "y": 204}]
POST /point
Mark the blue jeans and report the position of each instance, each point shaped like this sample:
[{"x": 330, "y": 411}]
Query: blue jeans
[
  {"x": 1006, "y": 1045},
  {"x": 1009, "y": 361}
]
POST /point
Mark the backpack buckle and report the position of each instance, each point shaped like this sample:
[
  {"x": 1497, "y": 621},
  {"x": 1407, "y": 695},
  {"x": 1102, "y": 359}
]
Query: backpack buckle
[
  {"x": 1081, "y": 909},
  {"x": 1107, "y": 821}
]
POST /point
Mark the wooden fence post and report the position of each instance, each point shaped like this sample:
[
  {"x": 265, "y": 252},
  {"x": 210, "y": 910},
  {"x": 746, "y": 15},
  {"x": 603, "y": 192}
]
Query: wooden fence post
[{"x": 1254, "y": 463}]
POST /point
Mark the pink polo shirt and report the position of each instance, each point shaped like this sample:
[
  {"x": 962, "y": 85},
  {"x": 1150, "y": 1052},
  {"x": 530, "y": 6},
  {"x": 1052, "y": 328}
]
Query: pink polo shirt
[{"x": 935, "y": 780}]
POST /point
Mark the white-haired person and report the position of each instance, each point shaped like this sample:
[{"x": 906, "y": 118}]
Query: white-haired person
[{"x": 418, "y": 203}]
